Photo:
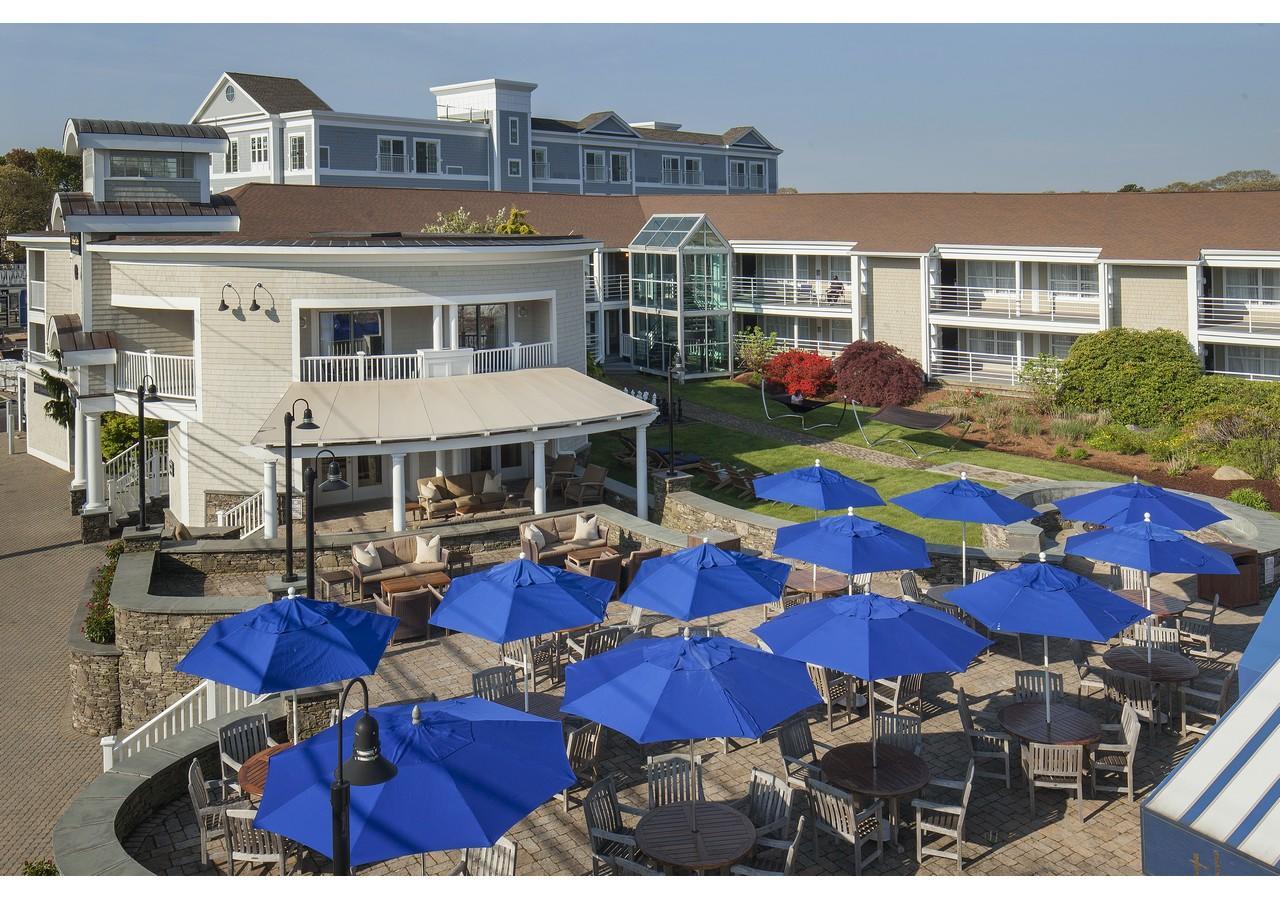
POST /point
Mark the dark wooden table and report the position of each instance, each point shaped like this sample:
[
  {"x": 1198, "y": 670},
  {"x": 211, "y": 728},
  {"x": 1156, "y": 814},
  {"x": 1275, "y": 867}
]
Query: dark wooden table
[
  {"x": 896, "y": 774},
  {"x": 939, "y": 592},
  {"x": 1069, "y": 725},
  {"x": 1165, "y": 667},
  {"x": 1163, "y": 605},
  {"x": 540, "y": 704},
  {"x": 722, "y": 539},
  {"x": 802, "y": 580},
  {"x": 723, "y": 836},
  {"x": 252, "y": 776}
]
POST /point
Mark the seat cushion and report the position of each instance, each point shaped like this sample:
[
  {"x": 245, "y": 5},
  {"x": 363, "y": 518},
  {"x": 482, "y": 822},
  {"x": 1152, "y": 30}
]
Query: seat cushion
[
  {"x": 458, "y": 485},
  {"x": 389, "y": 572},
  {"x": 490, "y": 498},
  {"x": 423, "y": 568}
]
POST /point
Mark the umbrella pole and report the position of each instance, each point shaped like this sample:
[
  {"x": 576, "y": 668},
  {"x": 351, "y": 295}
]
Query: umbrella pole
[
  {"x": 693, "y": 787},
  {"x": 871, "y": 710},
  {"x": 1146, "y": 596},
  {"x": 528, "y": 670},
  {"x": 964, "y": 552},
  {"x": 1048, "y": 713},
  {"x": 294, "y": 716}
]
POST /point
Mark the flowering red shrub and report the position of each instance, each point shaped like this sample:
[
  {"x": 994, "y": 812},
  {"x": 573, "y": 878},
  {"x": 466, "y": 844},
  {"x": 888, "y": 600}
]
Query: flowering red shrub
[
  {"x": 801, "y": 372},
  {"x": 874, "y": 373}
]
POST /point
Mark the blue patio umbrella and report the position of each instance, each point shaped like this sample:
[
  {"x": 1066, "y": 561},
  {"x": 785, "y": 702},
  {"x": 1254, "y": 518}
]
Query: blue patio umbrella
[
  {"x": 520, "y": 599},
  {"x": 852, "y": 544},
  {"x": 1262, "y": 651},
  {"x": 871, "y": 636},
  {"x": 965, "y": 501},
  {"x": 705, "y": 581},
  {"x": 1128, "y": 503},
  {"x": 293, "y": 643},
  {"x": 1039, "y": 598},
  {"x": 467, "y": 771},
  {"x": 817, "y": 488}
]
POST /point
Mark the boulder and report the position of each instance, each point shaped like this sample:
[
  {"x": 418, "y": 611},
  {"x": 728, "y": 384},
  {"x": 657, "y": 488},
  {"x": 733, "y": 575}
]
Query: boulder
[{"x": 1231, "y": 473}]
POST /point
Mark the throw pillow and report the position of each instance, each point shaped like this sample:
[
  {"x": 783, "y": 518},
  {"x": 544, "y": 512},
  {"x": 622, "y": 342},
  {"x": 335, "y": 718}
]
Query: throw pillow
[
  {"x": 433, "y": 491},
  {"x": 586, "y": 529},
  {"x": 367, "y": 557},
  {"x": 428, "y": 550},
  {"x": 533, "y": 534},
  {"x": 492, "y": 483}
]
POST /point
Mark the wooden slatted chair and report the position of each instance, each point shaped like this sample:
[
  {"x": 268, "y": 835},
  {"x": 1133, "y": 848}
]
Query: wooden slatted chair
[
  {"x": 620, "y": 865},
  {"x": 241, "y": 739},
  {"x": 799, "y": 750},
  {"x": 899, "y": 731},
  {"x": 899, "y": 693},
  {"x": 1196, "y": 633},
  {"x": 1088, "y": 676},
  {"x": 597, "y": 641},
  {"x": 773, "y": 856},
  {"x": 209, "y": 800},
  {"x": 1058, "y": 767},
  {"x": 609, "y": 836},
  {"x": 1117, "y": 757},
  {"x": 540, "y": 660},
  {"x": 496, "y": 683},
  {"x": 911, "y": 589},
  {"x": 1028, "y": 684},
  {"x": 1122, "y": 688},
  {"x": 1201, "y": 709},
  {"x": 583, "y": 749},
  {"x": 498, "y": 860},
  {"x": 835, "y": 690},
  {"x": 768, "y": 802},
  {"x": 836, "y": 815},
  {"x": 985, "y": 744},
  {"x": 673, "y": 779},
  {"x": 944, "y": 819},
  {"x": 251, "y": 845}
]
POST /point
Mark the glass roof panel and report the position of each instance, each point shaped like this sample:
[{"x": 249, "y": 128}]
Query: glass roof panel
[{"x": 666, "y": 231}]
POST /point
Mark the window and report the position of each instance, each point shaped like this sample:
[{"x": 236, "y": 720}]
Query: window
[
  {"x": 35, "y": 337},
  {"x": 426, "y": 157},
  {"x": 1073, "y": 279},
  {"x": 513, "y": 168},
  {"x": 595, "y": 165},
  {"x": 349, "y": 333},
  {"x": 737, "y": 173},
  {"x": 1252, "y": 284},
  {"x": 322, "y": 157},
  {"x": 483, "y": 326},
  {"x": 755, "y": 176},
  {"x": 297, "y": 152},
  {"x": 35, "y": 265},
  {"x": 150, "y": 165},
  {"x": 986, "y": 275},
  {"x": 1001, "y": 343},
  {"x": 670, "y": 170},
  {"x": 513, "y": 131},
  {"x": 541, "y": 168},
  {"x": 258, "y": 149},
  {"x": 692, "y": 170},
  {"x": 453, "y": 170},
  {"x": 619, "y": 167},
  {"x": 1243, "y": 360},
  {"x": 231, "y": 162},
  {"x": 391, "y": 155}
]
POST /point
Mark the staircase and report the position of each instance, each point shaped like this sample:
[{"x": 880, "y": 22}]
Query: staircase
[
  {"x": 245, "y": 515},
  {"x": 121, "y": 472}
]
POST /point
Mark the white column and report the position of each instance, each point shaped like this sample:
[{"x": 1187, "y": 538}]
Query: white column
[
  {"x": 95, "y": 484},
  {"x": 453, "y": 327},
  {"x": 397, "y": 492},
  {"x": 642, "y": 471},
  {"x": 539, "y": 477},
  {"x": 269, "y": 509},
  {"x": 437, "y": 327},
  {"x": 1193, "y": 309},
  {"x": 78, "y": 476},
  {"x": 925, "y": 355}
]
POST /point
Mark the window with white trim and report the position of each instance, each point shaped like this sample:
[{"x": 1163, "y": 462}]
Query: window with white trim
[
  {"x": 426, "y": 156},
  {"x": 989, "y": 275},
  {"x": 1246, "y": 360},
  {"x": 670, "y": 170},
  {"x": 595, "y": 165},
  {"x": 35, "y": 265},
  {"x": 693, "y": 170},
  {"x": 513, "y": 131},
  {"x": 258, "y": 148},
  {"x": 1252, "y": 284},
  {"x": 322, "y": 157},
  {"x": 619, "y": 167},
  {"x": 391, "y": 155},
  {"x": 231, "y": 159},
  {"x": 1073, "y": 278},
  {"x": 541, "y": 168},
  {"x": 148, "y": 164},
  {"x": 513, "y": 168},
  {"x": 737, "y": 173},
  {"x": 755, "y": 176},
  {"x": 297, "y": 152},
  {"x": 999, "y": 343}
]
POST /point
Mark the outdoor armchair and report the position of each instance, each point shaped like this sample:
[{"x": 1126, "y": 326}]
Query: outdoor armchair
[
  {"x": 773, "y": 856},
  {"x": 608, "y": 835},
  {"x": 944, "y": 819}
]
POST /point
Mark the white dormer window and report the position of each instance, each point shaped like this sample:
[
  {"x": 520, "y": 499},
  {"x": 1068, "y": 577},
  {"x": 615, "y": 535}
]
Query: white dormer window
[
  {"x": 619, "y": 167},
  {"x": 513, "y": 168},
  {"x": 258, "y": 149},
  {"x": 513, "y": 131},
  {"x": 297, "y": 152},
  {"x": 232, "y": 158}
]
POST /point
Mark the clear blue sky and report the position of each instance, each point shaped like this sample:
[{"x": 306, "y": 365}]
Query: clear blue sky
[{"x": 855, "y": 107}]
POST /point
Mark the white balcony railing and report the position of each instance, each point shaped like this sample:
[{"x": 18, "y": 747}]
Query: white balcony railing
[
  {"x": 826, "y": 348},
  {"x": 247, "y": 515},
  {"x": 1249, "y": 376},
  {"x": 1244, "y": 316},
  {"x": 792, "y": 291},
  {"x": 393, "y": 162},
  {"x": 174, "y": 375},
  {"x": 510, "y": 359},
  {"x": 541, "y": 170},
  {"x": 596, "y": 173},
  {"x": 35, "y": 296},
  {"x": 612, "y": 287},
  {"x": 402, "y": 366},
  {"x": 1035, "y": 305},
  {"x": 462, "y": 114},
  {"x": 748, "y": 182},
  {"x": 963, "y": 365}
]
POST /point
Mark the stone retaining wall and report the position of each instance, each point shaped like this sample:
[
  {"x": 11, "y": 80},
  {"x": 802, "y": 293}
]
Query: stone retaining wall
[{"x": 95, "y": 676}]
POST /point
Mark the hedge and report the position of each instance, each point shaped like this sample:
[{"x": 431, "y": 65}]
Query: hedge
[{"x": 1143, "y": 378}]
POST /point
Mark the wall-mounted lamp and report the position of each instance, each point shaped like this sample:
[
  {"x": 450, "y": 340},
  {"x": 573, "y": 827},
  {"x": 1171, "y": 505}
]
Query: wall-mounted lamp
[
  {"x": 254, "y": 306},
  {"x": 222, "y": 304}
]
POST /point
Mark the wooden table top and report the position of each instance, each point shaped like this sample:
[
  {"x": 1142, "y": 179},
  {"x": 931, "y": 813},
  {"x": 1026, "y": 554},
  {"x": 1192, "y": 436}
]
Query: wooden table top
[
  {"x": 1162, "y": 604},
  {"x": 939, "y": 592},
  {"x": 1069, "y": 725},
  {"x": 801, "y": 579},
  {"x": 722, "y": 837},
  {"x": 405, "y": 583},
  {"x": 540, "y": 704},
  {"x": 584, "y": 555},
  {"x": 1165, "y": 665},
  {"x": 896, "y": 772},
  {"x": 252, "y": 776}
]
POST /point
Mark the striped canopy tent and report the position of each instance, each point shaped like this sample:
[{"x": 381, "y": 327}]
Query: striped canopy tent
[{"x": 1218, "y": 812}]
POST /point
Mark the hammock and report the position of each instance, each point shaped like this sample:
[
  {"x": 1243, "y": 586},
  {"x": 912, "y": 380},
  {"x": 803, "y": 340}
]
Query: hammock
[
  {"x": 910, "y": 420},
  {"x": 799, "y": 407}
]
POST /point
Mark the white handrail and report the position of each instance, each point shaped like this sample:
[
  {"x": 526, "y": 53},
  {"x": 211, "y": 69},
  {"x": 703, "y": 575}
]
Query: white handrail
[
  {"x": 205, "y": 701},
  {"x": 245, "y": 515},
  {"x": 993, "y": 368},
  {"x": 121, "y": 471},
  {"x": 174, "y": 375},
  {"x": 1234, "y": 314},
  {"x": 1025, "y": 303},
  {"x": 793, "y": 291},
  {"x": 826, "y": 348},
  {"x": 361, "y": 367}
]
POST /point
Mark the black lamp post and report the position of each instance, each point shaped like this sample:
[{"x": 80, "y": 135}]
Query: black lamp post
[
  {"x": 334, "y": 482},
  {"x": 147, "y": 393},
  {"x": 674, "y": 370},
  {"x": 307, "y": 424},
  {"x": 366, "y": 767}
]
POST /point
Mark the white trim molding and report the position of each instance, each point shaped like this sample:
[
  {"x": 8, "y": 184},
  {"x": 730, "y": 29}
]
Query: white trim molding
[
  {"x": 803, "y": 248},
  {"x": 1251, "y": 259},
  {"x": 1018, "y": 254}
]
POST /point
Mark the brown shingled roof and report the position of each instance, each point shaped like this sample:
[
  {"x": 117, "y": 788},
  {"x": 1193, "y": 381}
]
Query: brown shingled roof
[
  {"x": 278, "y": 95},
  {"x": 83, "y": 204},
  {"x": 1138, "y": 226}
]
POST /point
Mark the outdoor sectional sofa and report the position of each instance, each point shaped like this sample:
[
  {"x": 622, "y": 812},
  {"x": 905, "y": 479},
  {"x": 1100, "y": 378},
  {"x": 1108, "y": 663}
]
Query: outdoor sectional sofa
[
  {"x": 397, "y": 557},
  {"x": 557, "y": 534}
]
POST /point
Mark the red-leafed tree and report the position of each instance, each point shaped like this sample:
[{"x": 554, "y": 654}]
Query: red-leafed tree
[
  {"x": 874, "y": 373},
  {"x": 802, "y": 372}
]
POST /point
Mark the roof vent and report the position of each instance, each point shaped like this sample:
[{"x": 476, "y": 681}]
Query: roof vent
[{"x": 660, "y": 126}]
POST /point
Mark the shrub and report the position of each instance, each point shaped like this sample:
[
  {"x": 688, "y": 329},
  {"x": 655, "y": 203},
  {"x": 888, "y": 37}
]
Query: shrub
[
  {"x": 1042, "y": 375},
  {"x": 874, "y": 373},
  {"x": 100, "y": 621},
  {"x": 1182, "y": 462},
  {"x": 120, "y": 431},
  {"x": 1060, "y": 451},
  {"x": 1254, "y": 499},
  {"x": 802, "y": 372},
  {"x": 1115, "y": 439},
  {"x": 1024, "y": 425},
  {"x": 1245, "y": 435},
  {"x": 755, "y": 349},
  {"x": 1161, "y": 451},
  {"x": 1079, "y": 453},
  {"x": 39, "y": 867},
  {"x": 1143, "y": 377},
  {"x": 1071, "y": 429}
]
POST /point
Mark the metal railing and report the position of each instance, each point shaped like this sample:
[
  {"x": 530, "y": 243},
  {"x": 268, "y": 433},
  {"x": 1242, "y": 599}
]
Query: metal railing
[
  {"x": 393, "y": 162},
  {"x": 1250, "y": 376},
  {"x": 247, "y": 515},
  {"x": 826, "y": 348},
  {"x": 1248, "y": 316},
  {"x": 792, "y": 291},
  {"x": 963, "y": 365},
  {"x": 462, "y": 114},
  {"x": 596, "y": 173},
  {"x": 174, "y": 375},
  {"x": 541, "y": 170},
  {"x": 750, "y": 182},
  {"x": 361, "y": 366},
  {"x": 670, "y": 176},
  {"x": 35, "y": 356},
  {"x": 204, "y": 702},
  {"x": 1037, "y": 305},
  {"x": 35, "y": 296},
  {"x": 614, "y": 288}
]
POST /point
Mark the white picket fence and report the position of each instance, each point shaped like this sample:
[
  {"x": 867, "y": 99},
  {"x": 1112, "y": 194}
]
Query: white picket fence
[
  {"x": 203, "y": 702},
  {"x": 121, "y": 472},
  {"x": 245, "y": 515},
  {"x": 174, "y": 375}
]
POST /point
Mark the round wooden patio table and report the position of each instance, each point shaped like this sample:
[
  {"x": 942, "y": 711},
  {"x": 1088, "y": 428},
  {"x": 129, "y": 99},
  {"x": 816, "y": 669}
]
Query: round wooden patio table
[
  {"x": 1162, "y": 605},
  {"x": 896, "y": 774},
  {"x": 252, "y": 776},
  {"x": 1068, "y": 725},
  {"x": 722, "y": 837},
  {"x": 827, "y": 582},
  {"x": 1165, "y": 667}
]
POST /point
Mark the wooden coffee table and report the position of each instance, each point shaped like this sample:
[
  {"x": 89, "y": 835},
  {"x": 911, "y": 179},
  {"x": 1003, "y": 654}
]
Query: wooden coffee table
[
  {"x": 700, "y": 836},
  {"x": 252, "y": 776},
  {"x": 438, "y": 580},
  {"x": 1068, "y": 725},
  {"x": 580, "y": 559},
  {"x": 895, "y": 774}
]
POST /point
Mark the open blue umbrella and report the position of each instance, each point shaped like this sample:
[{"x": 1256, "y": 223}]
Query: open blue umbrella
[
  {"x": 1038, "y": 598},
  {"x": 705, "y": 581},
  {"x": 871, "y": 636},
  {"x": 965, "y": 501},
  {"x": 852, "y": 544},
  {"x": 1262, "y": 650},
  {"x": 467, "y": 770},
  {"x": 520, "y": 599},
  {"x": 817, "y": 488},
  {"x": 292, "y": 643},
  {"x": 1130, "y": 502}
]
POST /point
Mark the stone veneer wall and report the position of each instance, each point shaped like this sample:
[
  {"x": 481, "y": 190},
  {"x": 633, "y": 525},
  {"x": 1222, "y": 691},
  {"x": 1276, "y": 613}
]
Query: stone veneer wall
[{"x": 95, "y": 676}]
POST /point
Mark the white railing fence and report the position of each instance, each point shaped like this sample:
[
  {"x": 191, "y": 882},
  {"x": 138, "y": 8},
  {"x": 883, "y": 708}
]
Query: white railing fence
[
  {"x": 205, "y": 701},
  {"x": 246, "y": 515},
  {"x": 174, "y": 375},
  {"x": 402, "y": 366},
  {"x": 1249, "y": 316},
  {"x": 121, "y": 472},
  {"x": 826, "y": 348},
  {"x": 1250, "y": 376},
  {"x": 962, "y": 365},
  {"x": 793, "y": 291},
  {"x": 1040, "y": 305}
]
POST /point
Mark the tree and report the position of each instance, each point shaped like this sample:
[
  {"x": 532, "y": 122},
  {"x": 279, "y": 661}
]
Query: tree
[
  {"x": 1132, "y": 188},
  {"x": 120, "y": 432},
  {"x": 755, "y": 349},
  {"x": 461, "y": 221},
  {"x": 787, "y": 190},
  {"x": 60, "y": 407},
  {"x": 801, "y": 372},
  {"x": 28, "y": 180},
  {"x": 514, "y": 223},
  {"x": 1235, "y": 180},
  {"x": 874, "y": 373}
]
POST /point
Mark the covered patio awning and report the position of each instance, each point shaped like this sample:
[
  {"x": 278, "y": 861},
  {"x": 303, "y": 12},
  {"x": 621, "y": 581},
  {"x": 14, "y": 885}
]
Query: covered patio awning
[{"x": 452, "y": 412}]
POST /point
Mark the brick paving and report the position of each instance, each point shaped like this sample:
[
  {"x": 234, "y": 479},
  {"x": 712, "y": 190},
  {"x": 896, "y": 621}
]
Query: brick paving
[
  {"x": 43, "y": 567},
  {"x": 1003, "y": 837}
]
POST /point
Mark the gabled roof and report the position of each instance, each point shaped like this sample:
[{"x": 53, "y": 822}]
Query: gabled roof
[
  {"x": 675, "y": 135},
  {"x": 277, "y": 94},
  {"x": 585, "y": 124}
]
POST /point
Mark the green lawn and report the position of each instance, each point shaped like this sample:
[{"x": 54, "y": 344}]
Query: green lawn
[
  {"x": 732, "y": 397},
  {"x": 736, "y": 448}
]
